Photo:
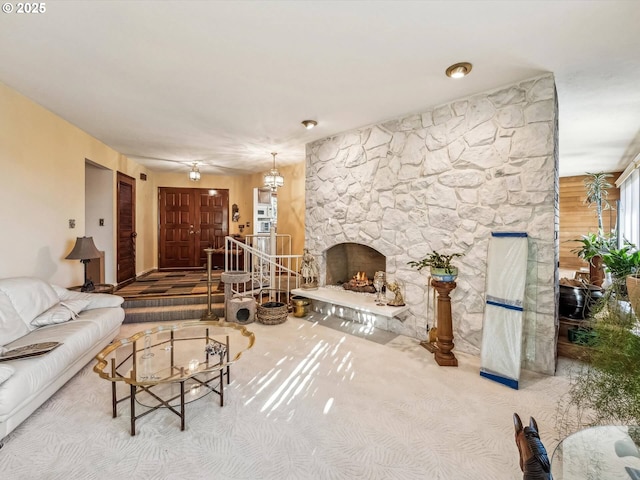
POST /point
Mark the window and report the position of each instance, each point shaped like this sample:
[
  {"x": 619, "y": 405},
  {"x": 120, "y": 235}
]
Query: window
[{"x": 630, "y": 206}]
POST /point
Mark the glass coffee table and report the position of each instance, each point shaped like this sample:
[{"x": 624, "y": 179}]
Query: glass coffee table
[
  {"x": 169, "y": 366},
  {"x": 604, "y": 452}
]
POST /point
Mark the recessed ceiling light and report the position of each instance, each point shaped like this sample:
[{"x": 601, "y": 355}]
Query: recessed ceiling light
[
  {"x": 459, "y": 70},
  {"x": 309, "y": 124}
]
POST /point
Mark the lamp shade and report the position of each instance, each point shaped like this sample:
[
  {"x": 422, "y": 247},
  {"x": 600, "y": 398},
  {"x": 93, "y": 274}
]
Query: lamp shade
[{"x": 84, "y": 249}]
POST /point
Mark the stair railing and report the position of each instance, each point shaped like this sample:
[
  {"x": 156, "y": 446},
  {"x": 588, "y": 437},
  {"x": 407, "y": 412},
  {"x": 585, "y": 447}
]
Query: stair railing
[{"x": 272, "y": 273}]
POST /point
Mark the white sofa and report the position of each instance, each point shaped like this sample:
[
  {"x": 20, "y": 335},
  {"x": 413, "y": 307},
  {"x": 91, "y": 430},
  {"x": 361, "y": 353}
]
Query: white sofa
[{"x": 33, "y": 311}]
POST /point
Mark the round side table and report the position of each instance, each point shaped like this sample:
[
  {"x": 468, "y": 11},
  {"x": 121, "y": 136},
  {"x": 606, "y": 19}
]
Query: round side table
[{"x": 99, "y": 288}]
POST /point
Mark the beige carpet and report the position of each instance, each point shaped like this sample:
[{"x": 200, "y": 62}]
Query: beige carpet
[{"x": 307, "y": 402}]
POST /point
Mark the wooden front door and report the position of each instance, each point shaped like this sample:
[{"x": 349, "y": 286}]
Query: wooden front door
[
  {"x": 190, "y": 220},
  {"x": 126, "y": 249}
]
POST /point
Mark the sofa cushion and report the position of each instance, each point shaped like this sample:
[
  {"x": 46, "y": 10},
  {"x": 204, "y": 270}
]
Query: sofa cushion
[
  {"x": 96, "y": 300},
  {"x": 30, "y": 296},
  {"x": 6, "y": 371},
  {"x": 11, "y": 325},
  {"x": 35, "y": 373},
  {"x": 62, "y": 312}
]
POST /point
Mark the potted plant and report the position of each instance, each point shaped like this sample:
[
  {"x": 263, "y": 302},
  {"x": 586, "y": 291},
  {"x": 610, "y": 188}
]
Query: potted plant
[
  {"x": 633, "y": 290},
  {"x": 622, "y": 262},
  {"x": 440, "y": 266},
  {"x": 592, "y": 247}
]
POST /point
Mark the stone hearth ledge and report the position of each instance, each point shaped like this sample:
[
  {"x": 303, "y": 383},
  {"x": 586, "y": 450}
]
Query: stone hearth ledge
[{"x": 354, "y": 300}]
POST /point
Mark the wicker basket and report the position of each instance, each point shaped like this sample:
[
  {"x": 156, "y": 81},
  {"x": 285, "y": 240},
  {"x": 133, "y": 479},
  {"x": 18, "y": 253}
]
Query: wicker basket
[{"x": 272, "y": 313}]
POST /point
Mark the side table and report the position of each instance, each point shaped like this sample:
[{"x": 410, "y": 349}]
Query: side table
[{"x": 99, "y": 288}]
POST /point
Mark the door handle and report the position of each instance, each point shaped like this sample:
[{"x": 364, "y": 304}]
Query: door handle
[{"x": 134, "y": 234}]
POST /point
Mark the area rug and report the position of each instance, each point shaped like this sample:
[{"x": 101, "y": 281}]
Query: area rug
[
  {"x": 170, "y": 283},
  {"x": 307, "y": 402}
]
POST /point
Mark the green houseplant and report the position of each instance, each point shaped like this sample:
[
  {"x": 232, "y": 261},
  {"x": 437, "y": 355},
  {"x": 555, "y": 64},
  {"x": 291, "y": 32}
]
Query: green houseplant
[
  {"x": 593, "y": 245},
  {"x": 441, "y": 268},
  {"x": 622, "y": 262},
  {"x": 596, "y": 186}
]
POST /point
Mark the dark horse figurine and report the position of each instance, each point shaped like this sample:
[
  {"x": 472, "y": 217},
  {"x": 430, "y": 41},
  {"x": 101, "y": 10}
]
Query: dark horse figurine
[{"x": 534, "y": 461}]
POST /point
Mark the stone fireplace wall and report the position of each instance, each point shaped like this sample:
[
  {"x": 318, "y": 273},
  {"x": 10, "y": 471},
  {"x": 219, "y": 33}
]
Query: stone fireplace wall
[{"x": 443, "y": 180}]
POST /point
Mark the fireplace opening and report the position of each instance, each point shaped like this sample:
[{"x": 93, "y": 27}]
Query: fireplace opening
[{"x": 353, "y": 265}]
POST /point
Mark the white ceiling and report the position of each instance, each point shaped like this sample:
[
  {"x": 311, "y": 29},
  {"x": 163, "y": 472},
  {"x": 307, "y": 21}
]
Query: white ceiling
[{"x": 226, "y": 83}]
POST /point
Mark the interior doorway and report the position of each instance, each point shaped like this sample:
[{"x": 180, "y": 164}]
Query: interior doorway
[
  {"x": 99, "y": 220},
  {"x": 190, "y": 220}
]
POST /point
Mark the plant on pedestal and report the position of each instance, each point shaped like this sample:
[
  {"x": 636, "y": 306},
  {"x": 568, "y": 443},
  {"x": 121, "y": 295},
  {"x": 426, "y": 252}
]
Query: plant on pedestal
[
  {"x": 441, "y": 270},
  {"x": 440, "y": 265}
]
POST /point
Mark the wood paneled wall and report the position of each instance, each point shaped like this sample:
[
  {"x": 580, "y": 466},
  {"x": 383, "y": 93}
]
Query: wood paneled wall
[{"x": 577, "y": 219}]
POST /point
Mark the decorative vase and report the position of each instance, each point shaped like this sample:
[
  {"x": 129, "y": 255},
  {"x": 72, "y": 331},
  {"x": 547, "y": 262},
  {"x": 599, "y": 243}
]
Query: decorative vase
[
  {"x": 576, "y": 302},
  {"x": 633, "y": 290},
  {"x": 444, "y": 274},
  {"x": 300, "y": 306}
]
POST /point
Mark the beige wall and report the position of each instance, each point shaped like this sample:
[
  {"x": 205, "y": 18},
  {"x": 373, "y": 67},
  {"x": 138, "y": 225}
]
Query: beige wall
[
  {"x": 42, "y": 186},
  {"x": 291, "y": 205},
  {"x": 291, "y": 198}
]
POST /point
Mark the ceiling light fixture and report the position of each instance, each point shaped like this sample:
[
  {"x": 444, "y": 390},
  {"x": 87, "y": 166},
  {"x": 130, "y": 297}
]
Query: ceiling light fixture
[
  {"x": 309, "y": 124},
  {"x": 273, "y": 178},
  {"x": 459, "y": 70},
  {"x": 194, "y": 174}
]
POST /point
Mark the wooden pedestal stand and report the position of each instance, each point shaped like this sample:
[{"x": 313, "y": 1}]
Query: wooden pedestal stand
[{"x": 444, "y": 343}]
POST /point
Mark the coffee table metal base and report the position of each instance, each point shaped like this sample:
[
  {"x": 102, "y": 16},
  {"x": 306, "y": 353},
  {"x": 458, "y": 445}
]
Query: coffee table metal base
[
  {"x": 168, "y": 366},
  {"x": 165, "y": 403}
]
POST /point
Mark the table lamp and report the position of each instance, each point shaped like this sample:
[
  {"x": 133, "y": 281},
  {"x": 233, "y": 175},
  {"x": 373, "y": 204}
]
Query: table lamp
[{"x": 84, "y": 250}]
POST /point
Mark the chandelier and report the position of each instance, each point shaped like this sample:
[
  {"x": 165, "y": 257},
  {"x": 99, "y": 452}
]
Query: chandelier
[
  {"x": 273, "y": 178},
  {"x": 194, "y": 174}
]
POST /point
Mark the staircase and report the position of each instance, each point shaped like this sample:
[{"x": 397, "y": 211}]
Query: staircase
[
  {"x": 268, "y": 273},
  {"x": 171, "y": 308}
]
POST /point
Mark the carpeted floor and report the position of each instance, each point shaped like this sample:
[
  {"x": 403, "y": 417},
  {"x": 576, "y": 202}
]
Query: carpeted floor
[
  {"x": 170, "y": 283},
  {"x": 307, "y": 402}
]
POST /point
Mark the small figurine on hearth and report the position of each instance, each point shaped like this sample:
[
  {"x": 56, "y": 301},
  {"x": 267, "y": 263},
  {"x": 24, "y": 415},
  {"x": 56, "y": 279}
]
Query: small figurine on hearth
[
  {"x": 397, "y": 288},
  {"x": 309, "y": 271}
]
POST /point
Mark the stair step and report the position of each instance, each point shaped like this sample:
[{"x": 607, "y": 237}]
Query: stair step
[
  {"x": 138, "y": 302},
  {"x": 165, "y": 313}
]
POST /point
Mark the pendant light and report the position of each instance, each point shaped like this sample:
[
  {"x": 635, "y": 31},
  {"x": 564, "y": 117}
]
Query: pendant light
[
  {"x": 194, "y": 174},
  {"x": 273, "y": 178}
]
